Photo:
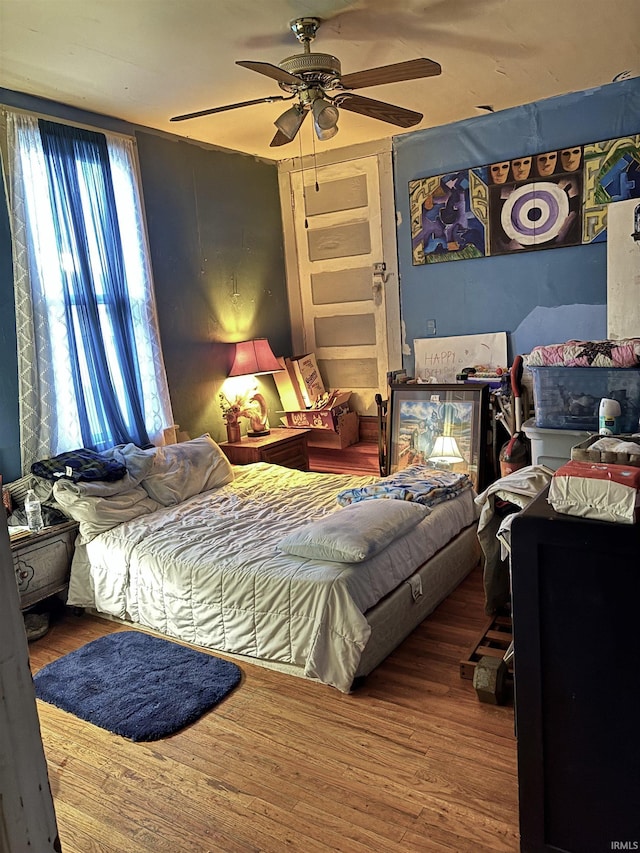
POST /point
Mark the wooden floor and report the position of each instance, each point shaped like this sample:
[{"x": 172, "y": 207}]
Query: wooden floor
[{"x": 412, "y": 761}]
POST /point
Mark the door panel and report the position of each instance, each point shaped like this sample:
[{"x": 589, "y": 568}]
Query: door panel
[
  {"x": 341, "y": 286},
  {"x": 352, "y": 331},
  {"x": 344, "y": 194},
  {"x": 339, "y": 241},
  {"x": 350, "y": 373}
]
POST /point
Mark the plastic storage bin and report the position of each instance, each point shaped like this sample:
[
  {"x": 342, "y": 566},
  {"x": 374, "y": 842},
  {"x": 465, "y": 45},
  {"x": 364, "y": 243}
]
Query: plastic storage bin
[
  {"x": 551, "y": 447},
  {"x": 569, "y": 397}
]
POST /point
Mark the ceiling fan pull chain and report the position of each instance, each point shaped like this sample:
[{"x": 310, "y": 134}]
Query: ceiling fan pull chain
[
  {"x": 315, "y": 162},
  {"x": 304, "y": 190}
]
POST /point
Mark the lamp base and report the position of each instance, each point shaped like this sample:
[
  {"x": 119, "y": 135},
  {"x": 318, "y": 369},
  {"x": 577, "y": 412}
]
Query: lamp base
[{"x": 258, "y": 434}]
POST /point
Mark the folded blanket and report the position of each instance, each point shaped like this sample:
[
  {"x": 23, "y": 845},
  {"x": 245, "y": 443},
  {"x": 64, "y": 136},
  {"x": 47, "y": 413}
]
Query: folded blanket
[
  {"x": 428, "y": 486},
  {"x": 622, "y": 353}
]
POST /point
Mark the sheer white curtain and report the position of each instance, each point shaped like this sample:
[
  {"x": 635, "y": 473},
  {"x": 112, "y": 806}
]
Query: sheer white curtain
[{"x": 48, "y": 416}]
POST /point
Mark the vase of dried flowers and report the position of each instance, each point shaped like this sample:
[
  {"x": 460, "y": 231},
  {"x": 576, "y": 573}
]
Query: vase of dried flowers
[
  {"x": 233, "y": 431},
  {"x": 231, "y": 414}
]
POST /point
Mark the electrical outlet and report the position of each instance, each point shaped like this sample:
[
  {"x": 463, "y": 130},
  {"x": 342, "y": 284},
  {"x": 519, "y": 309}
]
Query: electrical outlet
[{"x": 431, "y": 327}]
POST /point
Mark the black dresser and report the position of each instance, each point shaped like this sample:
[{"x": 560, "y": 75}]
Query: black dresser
[{"x": 576, "y": 622}]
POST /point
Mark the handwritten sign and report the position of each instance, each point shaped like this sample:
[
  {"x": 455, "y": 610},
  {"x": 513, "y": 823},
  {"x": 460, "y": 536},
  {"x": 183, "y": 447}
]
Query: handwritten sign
[{"x": 441, "y": 359}]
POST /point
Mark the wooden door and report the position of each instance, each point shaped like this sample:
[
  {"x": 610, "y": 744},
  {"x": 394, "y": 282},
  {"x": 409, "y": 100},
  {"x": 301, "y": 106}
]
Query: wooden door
[{"x": 345, "y": 277}]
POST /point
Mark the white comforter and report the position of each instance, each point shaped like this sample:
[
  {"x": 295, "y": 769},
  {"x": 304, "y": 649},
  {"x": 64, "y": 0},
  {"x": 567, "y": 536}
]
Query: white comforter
[{"x": 208, "y": 571}]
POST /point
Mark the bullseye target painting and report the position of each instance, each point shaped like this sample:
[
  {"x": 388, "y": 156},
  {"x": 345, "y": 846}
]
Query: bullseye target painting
[
  {"x": 536, "y": 214},
  {"x": 538, "y": 201}
]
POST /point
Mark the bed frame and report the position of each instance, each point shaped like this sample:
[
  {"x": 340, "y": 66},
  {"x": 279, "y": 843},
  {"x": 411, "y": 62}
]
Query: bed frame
[{"x": 398, "y": 613}]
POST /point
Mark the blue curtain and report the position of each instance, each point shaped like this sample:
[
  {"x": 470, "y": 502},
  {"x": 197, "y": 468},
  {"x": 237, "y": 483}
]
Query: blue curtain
[{"x": 97, "y": 307}]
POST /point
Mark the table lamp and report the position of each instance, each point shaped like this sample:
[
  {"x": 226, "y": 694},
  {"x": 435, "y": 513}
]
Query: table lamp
[{"x": 254, "y": 358}]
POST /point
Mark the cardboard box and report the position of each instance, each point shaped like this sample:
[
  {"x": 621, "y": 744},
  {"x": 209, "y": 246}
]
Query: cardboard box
[
  {"x": 309, "y": 380},
  {"x": 347, "y": 433},
  {"x": 622, "y": 455},
  {"x": 299, "y": 382},
  {"x": 288, "y": 388},
  {"x": 326, "y": 418},
  {"x": 300, "y": 386}
]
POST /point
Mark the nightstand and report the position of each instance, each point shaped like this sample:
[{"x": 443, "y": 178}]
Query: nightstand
[
  {"x": 287, "y": 447},
  {"x": 42, "y": 562}
]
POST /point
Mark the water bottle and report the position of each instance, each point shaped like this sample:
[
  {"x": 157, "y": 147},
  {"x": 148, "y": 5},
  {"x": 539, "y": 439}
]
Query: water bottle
[{"x": 34, "y": 512}]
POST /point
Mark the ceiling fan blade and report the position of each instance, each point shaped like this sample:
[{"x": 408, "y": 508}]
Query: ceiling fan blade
[
  {"x": 213, "y": 110},
  {"x": 396, "y": 73},
  {"x": 378, "y": 109},
  {"x": 281, "y": 138},
  {"x": 270, "y": 71}
]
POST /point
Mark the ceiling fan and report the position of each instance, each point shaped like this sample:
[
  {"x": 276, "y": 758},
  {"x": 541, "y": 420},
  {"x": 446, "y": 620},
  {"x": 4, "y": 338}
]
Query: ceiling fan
[{"x": 315, "y": 82}]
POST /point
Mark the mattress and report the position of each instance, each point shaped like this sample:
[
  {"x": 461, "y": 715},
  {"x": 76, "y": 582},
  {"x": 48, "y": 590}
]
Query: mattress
[{"x": 208, "y": 571}]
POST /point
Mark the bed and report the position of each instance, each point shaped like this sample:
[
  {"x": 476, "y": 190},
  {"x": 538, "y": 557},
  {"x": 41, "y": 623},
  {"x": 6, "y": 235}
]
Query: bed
[{"x": 261, "y": 561}]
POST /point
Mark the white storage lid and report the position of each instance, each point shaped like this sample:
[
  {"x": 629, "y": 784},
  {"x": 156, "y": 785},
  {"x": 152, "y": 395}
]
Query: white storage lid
[{"x": 552, "y": 447}]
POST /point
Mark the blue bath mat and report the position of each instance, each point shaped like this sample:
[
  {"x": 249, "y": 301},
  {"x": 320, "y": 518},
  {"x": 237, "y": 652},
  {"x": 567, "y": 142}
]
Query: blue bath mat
[{"x": 136, "y": 685}]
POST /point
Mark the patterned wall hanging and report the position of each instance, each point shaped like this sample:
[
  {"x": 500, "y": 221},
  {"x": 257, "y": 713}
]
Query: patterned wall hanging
[{"x": 538, "y": 201}]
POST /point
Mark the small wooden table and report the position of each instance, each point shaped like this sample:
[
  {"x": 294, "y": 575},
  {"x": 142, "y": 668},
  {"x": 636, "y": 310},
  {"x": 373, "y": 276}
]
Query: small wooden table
[
  {"x": 287, "y": 447},
  {"x": 42, "y": 562}
]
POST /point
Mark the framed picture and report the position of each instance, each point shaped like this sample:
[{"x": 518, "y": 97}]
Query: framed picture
[{"x": 444, "y": 426}]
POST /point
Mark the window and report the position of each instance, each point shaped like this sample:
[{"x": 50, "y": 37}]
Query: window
[{"x": 90, "y": 367}]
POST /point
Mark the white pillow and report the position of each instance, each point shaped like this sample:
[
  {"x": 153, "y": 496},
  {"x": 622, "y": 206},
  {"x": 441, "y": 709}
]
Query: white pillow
[
  {"x": 138, "y": 462},
  {"x": 356, "y": 532},
  {"x": 182, "y": 470},
  {"x": 97, "y": 513}
]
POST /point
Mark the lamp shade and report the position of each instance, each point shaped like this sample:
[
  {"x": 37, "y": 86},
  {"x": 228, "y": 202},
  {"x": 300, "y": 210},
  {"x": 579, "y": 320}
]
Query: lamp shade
[
  {"x": 254, "y": 357},
  {"x": 445, "y": 449},
  {"x": 325, "y": 119},
  {"x": 325, "y": 114},
  {"x": 329, "y": 133},
  {"x": 290, "y": 120}
]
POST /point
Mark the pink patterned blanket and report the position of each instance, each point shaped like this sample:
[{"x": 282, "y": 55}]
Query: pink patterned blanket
[{"x": 622, "y": 353}]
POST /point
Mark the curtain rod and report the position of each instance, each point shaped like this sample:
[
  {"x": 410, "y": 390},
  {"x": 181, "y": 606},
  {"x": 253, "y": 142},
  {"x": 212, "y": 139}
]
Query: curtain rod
[{"x": 4, "y": 109}]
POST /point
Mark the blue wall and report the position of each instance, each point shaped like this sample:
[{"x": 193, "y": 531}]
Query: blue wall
[
  {"x": 538, "y": 297},
  {"x": 214, "y": 226}
]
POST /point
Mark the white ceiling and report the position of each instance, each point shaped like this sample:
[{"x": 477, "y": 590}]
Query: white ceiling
[{"x": 147, "y": 60}]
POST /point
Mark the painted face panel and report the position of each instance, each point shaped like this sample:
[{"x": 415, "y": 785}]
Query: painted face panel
[
  {"x": 570, "y": 159},
  {"x": 546, "y": 163},
  {"x": 499, "y": 172},
  {"x": 521, "y": 168}
]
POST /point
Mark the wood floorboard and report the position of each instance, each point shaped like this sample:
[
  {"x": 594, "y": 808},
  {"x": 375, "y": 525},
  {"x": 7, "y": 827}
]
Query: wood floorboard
[{"x": 409, "y": 762}]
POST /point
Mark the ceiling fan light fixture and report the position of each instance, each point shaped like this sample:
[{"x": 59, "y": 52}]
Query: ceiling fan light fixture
[
  {"x": 325, "y": 133},
  {"x": 289, "y": 122},
  {"x": 310, "y": 76},
  {"x": 325, "y": 115}
]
